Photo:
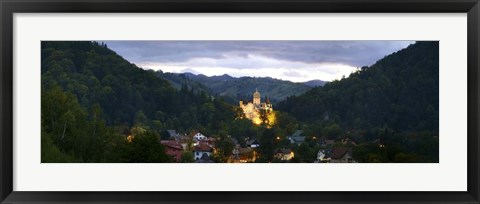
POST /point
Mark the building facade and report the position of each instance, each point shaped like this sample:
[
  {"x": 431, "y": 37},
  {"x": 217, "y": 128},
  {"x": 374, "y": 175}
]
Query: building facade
[{"x": 252, "y": 110}]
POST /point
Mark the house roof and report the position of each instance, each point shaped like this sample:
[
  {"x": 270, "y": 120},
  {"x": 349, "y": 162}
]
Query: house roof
[
  {"x": 349, "y": 141},
  {"x": 327, "y": 152},
  {"x": 339, "y": 152},
  {"x": 283, "y": 151},
  {"x": 202, "y": 147},
  {"x": 172, "y": 133},
  {"x": 298, "y": 139},
  {"x": 252, "y": 141},
  {"x": 172, "y": 144},
  {"x": 193, "y": 133},
  {"x": 234, "y": 141},
  {"x": 244, "y": 150},
  {"x": 330, "y": 142},
  {"x": 297, "y": 133},
  {"x": 204, "y": 159}
]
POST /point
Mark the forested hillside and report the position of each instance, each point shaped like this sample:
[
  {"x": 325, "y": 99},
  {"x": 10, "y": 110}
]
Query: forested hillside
[
  {"x": 399, "y": 91},
  {"x": 91, "y": 97},
  {"x": 390, "y": 109}
]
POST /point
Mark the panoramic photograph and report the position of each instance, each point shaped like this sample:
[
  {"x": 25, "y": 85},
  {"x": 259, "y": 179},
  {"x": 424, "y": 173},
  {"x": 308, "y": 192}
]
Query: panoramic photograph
[{"x": 240, "y": 101}]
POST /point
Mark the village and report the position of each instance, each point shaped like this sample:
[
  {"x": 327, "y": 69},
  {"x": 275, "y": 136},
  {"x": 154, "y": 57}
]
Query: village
[{"x": 203, "y": 148}]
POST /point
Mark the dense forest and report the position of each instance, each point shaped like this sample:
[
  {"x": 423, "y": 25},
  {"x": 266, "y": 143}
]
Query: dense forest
[{"x": 93, "y": 99}]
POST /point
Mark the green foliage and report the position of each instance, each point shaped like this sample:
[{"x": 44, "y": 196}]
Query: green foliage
[
  {"x": 394, "y": 103},
  {"x": 144, "y": 148},
  {"x": 268, "y": 144},
  {"x": 51, "y": 154},
  {"x": 187, "y": 157},
  {"x": 67, "y": 128},
  {"x": 224, "y": 148},
  {"x": 400, "y": 91}
]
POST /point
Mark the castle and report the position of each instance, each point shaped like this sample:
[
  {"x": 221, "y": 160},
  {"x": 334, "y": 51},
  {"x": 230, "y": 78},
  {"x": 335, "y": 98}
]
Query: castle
[{"x": 252, "y": 110}]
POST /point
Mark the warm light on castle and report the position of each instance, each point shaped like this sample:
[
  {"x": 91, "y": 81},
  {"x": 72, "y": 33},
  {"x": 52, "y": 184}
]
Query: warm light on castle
[{"x": 258, "y": 112}]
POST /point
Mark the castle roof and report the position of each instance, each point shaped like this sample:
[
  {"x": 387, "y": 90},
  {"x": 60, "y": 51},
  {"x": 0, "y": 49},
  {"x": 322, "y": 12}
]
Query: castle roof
[
  {"x": 256, "y": 94},
  {"x": 267, "y": 101}
]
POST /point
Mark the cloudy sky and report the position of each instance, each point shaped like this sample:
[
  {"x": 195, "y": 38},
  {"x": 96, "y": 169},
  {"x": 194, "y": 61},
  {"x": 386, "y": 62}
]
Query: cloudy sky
[{"x": 296, "y": 61}]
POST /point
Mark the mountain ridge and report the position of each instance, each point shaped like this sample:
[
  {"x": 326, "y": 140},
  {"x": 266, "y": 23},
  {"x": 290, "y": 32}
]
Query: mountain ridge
[{"x": 239, "y": 88}]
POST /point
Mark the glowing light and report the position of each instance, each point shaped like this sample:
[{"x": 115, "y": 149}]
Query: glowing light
[
  {"x": 256, "y": 121},
  {"x": 254, "y": 110},
  {"x": 130, "y": 138}
]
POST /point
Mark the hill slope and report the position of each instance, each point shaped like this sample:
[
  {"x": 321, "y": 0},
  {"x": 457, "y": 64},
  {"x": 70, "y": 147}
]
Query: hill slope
[
  {"x": 125, "y": 92},
  {"x": 400, "y": 91},
  {"x": 241, "y": 88},
  {"x": 314, "y": 83}
]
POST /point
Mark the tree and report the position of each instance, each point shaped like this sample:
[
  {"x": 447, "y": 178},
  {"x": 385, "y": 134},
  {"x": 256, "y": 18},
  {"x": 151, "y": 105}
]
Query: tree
[
  {"x": 187, "y": 157},
  {"x": 224, "y": 146},
  {"x": 145, "y": 148}
]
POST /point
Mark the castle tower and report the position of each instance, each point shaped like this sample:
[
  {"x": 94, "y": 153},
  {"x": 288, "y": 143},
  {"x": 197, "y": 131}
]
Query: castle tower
[
  {"x": 268, "y": 105},
  {"x": 256, "y": 97},
  {"x": 267, "y": 101}
]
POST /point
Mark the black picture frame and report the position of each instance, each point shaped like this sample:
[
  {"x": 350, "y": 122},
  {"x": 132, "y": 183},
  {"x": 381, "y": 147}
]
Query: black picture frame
[{"x": 9, "y": 7}]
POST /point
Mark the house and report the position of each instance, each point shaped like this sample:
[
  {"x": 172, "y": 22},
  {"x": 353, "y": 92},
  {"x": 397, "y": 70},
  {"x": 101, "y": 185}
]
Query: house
[
  {"x": 173, "y": 148},
  {"x": 186, "y": 142},
  {"x": 342, "y": 155},
  {"x": 297, "y": 137},
  {"x": 348, "y": 141},
  {"x": 296, "y": 140},
  {"x": 379, "y": 142},
  {"x": 197, "y": 136},
  {"x": 204, "y": 159},
  {"x": 326, "y": 143},
  {"x": 201, "y": 149},
  {"x": 172, "y": 133},
  {"x": 323, "y": 156},
  {"x": 284, "y": 154},
  {"x": 243, "y": 155},
  {"x": 253, "y": 143},
  {"x": 234, "y": 141}
]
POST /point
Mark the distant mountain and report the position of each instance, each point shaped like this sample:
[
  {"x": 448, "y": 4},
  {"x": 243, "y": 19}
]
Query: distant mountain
[
  {"x": 184, "y": 79},
  {"x": 314, "y": 83},
  {"x": 238, "y": 88},
  {"x": 224, "y": 77}
]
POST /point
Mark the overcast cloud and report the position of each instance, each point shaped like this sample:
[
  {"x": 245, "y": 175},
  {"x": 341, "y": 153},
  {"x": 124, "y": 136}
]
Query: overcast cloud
[{"x": 288, "y": 60}]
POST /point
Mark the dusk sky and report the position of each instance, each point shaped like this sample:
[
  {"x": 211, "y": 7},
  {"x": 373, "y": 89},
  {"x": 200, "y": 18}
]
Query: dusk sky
[{"x": 296, "y": 61}]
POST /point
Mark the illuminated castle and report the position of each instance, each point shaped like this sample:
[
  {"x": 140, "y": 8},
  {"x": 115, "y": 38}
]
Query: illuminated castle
[{"x": 253, "y": 110}]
